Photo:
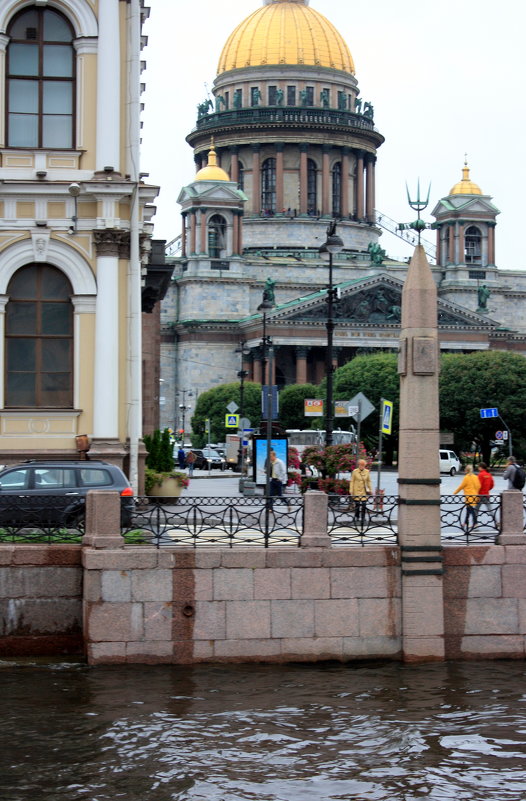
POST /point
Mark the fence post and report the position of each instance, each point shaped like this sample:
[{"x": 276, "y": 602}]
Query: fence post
[
  {"x": 103, "y": 520},
  {"x": 315, "y": 520},
  {"x": 512, "y": 518}
]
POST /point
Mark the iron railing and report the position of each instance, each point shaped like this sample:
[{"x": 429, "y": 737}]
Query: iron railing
[
  {"x": 229, "y": 522},
  {"x": 287, "y": 115},
  {"x": 217, "y": 521},
  {"x": 371, "y": 522},
  {"x": 51, "y": 519},
  {"x": 460, "y": 525}
]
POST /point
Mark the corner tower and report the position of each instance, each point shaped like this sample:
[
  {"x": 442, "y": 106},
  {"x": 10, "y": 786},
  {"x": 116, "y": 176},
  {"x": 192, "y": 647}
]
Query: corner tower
[
  {"x": 465, "y": 223},
  {"x": 291, "y": 129}
]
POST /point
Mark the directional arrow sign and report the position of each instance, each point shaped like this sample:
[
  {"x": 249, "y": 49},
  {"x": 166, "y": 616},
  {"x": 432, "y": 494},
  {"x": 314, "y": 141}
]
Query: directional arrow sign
[{"x": 489, "y": 412}]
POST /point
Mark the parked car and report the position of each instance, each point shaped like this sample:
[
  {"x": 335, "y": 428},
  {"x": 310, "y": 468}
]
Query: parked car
[
  {"x": 449, "y": 462},
  {"x": 206, "y": 457},
  {"x": 53, "y": 493}
]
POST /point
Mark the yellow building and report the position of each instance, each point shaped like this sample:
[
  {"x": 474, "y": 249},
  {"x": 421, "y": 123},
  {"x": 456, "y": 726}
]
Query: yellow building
[{"x": 74, "y": 229}]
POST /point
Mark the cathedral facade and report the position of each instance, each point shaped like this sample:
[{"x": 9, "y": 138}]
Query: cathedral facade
[
  {"x": 74, "y": 229},
  {"x": 285, "y": 146}
]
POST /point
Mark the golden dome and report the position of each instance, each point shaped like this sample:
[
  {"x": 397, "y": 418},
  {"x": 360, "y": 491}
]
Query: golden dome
[
  {"x": 285, "y": 32},
  {"x": 212, "y": 172},
  {"x": 466, "y": 185}
]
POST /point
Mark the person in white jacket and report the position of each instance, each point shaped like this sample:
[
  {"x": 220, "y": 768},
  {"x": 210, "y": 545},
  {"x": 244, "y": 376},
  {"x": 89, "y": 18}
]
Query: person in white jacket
[{"x": 278, "y": 475}]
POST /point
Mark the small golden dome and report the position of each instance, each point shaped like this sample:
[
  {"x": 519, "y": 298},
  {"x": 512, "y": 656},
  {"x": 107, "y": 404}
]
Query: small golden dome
[
  {"x": 285, "y": 32},
  {"x": 212, "y": 172},
  {"x": 466, "y": 185}
]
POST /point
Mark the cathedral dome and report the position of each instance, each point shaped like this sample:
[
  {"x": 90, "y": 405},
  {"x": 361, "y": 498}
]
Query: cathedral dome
[
  {"x": 285, "y": 32},
  {"x": 466, "y": 186},
  {"x": 212, "y": 171}
]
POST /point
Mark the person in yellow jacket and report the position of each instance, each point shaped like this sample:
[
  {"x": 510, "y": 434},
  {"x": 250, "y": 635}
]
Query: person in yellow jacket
[
  {"x": 471, "y": 486},
  {"x": 360, "y": 488}
]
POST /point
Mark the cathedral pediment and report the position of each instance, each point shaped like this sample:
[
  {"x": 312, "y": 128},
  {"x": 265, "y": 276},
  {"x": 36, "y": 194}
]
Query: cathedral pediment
[
  {"x": 465, "y": 204},
  {"x": 373, "y": 302},
  {"x": 216, "y": 191}
]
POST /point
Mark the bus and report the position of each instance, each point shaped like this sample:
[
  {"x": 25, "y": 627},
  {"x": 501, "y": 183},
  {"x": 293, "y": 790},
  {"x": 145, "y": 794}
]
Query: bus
[{"x": 303, "y": 438}]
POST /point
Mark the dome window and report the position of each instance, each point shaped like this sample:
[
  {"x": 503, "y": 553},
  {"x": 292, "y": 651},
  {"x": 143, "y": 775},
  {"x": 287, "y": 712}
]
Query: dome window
[
  {"x": 312, "y": 182},
  {"x": 268, "y": 186},
  {"x": 473, "y": 245},
  {"x": 337, "y": 189},
  {"x": 216, "y": 236}
]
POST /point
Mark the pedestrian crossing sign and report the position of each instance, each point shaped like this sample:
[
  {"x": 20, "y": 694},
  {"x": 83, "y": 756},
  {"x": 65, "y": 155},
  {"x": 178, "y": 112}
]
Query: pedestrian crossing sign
[{"x": 232, "y": 421}]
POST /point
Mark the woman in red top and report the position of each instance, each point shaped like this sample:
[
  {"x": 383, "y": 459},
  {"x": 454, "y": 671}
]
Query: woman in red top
[{"x": 486, "y": 484}]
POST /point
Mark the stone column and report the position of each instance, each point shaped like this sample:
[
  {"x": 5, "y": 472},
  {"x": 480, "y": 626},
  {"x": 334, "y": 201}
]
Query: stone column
[
  {"x": 4, "y": 40},
  {"x": 258, "y": 372},
  {"x": 325, "y": 182},
  {"x": 193, "y": 233},
  {"x": 108, "y": 90},
  {"x": 369, "y": 178},
  {"x": 183, "y": 236},
  {"x": 359, "y": 185},
  {"x": 419, "y": 480},
  {"x": 107, "y": 336},
  {"x": 461, "y": 248},
  {"x": 234, "y": 164},
  {"x": 303, "y": 179},
  {"x": 256, "y": 179},
  {"x": 451, "y": 249},
  {"x": 235, "y": 235},
  {"x": 301, "y": 364},
  {"x": 315, "y": 520},
  {"x": 202, "y": 232},
  {"x": 279, "y": 177},
  {"x": 345, "y": 182},
  {"x": 491, "y": 243},
  {"x": 438, "y": 241}
]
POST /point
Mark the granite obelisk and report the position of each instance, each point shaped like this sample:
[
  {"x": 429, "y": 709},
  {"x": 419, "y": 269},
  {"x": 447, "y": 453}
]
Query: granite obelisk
[{"x": 418, "y": 467}]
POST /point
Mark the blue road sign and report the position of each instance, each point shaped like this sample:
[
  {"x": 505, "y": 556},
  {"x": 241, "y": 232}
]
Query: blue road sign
[{"x": 489, "y": 412}]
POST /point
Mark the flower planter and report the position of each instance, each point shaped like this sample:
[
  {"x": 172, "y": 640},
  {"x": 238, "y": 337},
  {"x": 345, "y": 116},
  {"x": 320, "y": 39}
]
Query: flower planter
[{"x": 169, "y": 487}]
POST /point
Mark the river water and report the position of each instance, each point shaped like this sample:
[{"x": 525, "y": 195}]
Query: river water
[{"x": 386, "y": 732}]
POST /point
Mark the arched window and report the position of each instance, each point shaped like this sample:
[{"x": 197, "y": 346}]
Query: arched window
[
  {"x": 312, "y": 180},
  {"x": 268, "y": 186},
  {"x": 240, "y": 176},
  {"x": 40, "y": 80},
  {"x": 39, "y": 339},
  {"x": 473, "y": 245},
  {"x": 216, "y": 236},
  {"x": 337, "y": 189}
]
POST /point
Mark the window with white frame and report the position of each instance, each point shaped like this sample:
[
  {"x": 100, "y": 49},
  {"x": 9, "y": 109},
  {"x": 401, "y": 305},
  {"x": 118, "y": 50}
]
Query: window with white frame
[{"x": 40, "y": 80}]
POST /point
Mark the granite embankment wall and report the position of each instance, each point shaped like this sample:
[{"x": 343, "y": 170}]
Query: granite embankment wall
[{"x": 146, "y": 605}]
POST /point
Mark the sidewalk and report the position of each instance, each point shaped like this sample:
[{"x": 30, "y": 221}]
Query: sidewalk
[{"x": 219, "y": 483}]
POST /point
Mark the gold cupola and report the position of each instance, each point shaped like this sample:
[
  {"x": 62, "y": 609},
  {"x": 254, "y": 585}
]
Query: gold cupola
[
  {"x": 466, "y": 186},
  {"x": 212, "y": 172},
  {"x": 285, "y": 32}
]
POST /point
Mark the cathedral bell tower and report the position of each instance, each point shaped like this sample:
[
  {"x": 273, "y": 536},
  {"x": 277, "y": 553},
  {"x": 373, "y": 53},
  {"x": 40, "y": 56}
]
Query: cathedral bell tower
[{"x": 465, "y": 223}]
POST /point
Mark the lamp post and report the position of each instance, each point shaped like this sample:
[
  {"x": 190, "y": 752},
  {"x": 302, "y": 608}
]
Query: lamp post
[
  {"x": 266, "y": 344},
  {"x": 184, "y": 407},
  {"x": 242, "y": 374},
  {"x": 333, "y": 244}
]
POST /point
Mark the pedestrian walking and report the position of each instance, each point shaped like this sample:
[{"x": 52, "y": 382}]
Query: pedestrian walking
[
  {"x": 278, "y": 475},
  {"x": 360, "y": 489},
  {"x": 470, "y": 485},
  {"x": 190, "y": 461},
  {"x": 486, "y": 485}
]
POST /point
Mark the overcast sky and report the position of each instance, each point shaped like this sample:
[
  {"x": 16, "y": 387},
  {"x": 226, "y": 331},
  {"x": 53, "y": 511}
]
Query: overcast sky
[{"x": 444, "y": 78}]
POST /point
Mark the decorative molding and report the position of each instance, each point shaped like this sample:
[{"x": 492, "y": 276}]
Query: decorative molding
[{"x": 110, "y": 242}]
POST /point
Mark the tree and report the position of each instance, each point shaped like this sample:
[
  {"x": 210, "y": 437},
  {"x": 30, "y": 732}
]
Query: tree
[
  {"x": 376, "y": 376},
  {"x": 291, "y": 405},
  {"x": 212, "y": 404},
  {"x": 473, "y": 381}
]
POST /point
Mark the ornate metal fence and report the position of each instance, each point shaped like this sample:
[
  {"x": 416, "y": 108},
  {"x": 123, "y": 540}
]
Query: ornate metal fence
[
  {"x": 468, "y": 520},
  {"x": 374, "y": 521},
  {"x": 41, "y": 518},
  {"x": 217, "y": 521}
]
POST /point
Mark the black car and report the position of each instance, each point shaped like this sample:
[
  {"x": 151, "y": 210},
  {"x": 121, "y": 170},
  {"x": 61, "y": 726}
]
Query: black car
[
  {"x": 206, "y": 457},
  {"x": 53, "y": 493}
]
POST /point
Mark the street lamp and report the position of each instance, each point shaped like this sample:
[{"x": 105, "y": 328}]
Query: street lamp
[
  {"x": 242, "y": 374},
  {"x": 333, "y": 244},
  {"x": 266, "y": 344},
  {"x": 184, "y": 407}
]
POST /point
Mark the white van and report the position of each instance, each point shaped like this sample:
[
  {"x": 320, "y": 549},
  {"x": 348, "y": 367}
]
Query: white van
[{"x": 449, "y": 462}]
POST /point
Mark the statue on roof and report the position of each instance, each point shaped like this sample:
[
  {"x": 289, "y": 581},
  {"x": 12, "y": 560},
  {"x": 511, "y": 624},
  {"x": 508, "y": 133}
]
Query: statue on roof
[
  {"x": 483, "y": 295},
  {"x": 377, "y": 253},
  {"x": 268, "y": 291},
  {"x": 202, "y": 108}
]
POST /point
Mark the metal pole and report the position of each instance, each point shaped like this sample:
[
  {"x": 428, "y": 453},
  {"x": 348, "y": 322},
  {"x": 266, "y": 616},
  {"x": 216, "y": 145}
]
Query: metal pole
[
  {"x": 510, "y": 449},
  {"x": 329, "y": 417},
  {"x": 379, "y": 460}
]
